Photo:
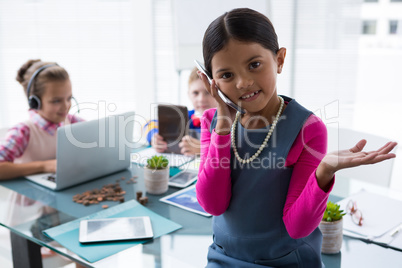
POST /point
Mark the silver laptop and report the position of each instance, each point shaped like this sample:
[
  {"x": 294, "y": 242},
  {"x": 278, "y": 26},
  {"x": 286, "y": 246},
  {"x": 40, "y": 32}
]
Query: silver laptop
[{"x": 88, "y": 150}]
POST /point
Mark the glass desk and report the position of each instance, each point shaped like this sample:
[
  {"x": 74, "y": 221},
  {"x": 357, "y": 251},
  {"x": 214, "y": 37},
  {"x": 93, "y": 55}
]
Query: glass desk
[{"x": 26, "y": 209}]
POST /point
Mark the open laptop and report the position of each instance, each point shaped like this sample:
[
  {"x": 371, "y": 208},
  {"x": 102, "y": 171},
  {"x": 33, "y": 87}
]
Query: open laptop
[{"x": 88, "y": 150}]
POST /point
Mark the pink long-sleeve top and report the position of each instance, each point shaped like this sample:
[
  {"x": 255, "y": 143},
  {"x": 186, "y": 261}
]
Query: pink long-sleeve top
[
  {"x": 305, "y": 201},
  {"x": 17, "y": 137}
]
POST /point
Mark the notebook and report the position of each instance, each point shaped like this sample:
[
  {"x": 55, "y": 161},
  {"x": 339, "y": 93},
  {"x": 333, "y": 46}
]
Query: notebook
[
  {"x": 88, "y": 150},
  {"x": 382, "y": 224}
]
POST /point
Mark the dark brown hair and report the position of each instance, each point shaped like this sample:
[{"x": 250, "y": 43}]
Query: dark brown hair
[
  {"x": 53, "y": 73},
  {"x": 242, "y": 24}
]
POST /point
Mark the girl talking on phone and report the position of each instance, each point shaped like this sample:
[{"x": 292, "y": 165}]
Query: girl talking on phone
[{"x": 264, "y": 174}]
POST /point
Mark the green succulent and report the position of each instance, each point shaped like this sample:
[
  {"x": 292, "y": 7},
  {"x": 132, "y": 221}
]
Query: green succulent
[
  {"x": 157, "y": 162},
  {"x": 332, "y": 212}
]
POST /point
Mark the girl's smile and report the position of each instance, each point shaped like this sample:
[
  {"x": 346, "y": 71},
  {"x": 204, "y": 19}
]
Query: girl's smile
[{"x": 250, "y": 97}]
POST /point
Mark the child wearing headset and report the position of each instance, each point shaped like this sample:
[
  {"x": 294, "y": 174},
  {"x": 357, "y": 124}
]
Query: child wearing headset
[
  {"x": 30, "y": 146},
  {"x": 202, "y": 101}
]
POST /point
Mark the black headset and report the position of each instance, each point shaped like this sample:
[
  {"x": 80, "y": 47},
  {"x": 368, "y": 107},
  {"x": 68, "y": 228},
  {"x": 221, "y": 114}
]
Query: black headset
[{"x": 34, "y": 101}]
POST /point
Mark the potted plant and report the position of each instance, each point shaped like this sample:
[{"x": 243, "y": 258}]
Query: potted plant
[
  {"x": 331, "y": 227},
  {"x": 156, "y": 174}
]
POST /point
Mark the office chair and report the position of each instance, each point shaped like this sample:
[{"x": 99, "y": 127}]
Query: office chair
[{"x": 343, "y": 138}]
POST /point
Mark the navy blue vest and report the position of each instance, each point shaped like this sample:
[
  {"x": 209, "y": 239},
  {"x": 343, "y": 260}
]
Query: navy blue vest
[{"x": 251, "y": 232}]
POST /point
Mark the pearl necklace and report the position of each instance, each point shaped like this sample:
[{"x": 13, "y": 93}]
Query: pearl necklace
[{"x": 271, "y": 130}]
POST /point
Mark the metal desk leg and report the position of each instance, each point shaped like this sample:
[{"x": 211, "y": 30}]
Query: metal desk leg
[{"x": 26, "y": 254}]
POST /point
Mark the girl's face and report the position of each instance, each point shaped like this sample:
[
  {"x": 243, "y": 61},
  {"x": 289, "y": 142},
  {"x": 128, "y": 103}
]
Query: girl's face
[
  {"x": 246, "y": 73},
  {"x": 200, "y": 97},
  {"x": 56, "y": 101}
]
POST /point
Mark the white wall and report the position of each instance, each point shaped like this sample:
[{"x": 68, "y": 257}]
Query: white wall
[
  {"x": 379, "y": 104},
  {"x": 379, "y": 90},
  {"x": 106, "y": 46}
]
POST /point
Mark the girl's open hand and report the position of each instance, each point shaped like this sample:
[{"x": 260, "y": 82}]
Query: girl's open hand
[
  {"x": 353, "y": 157},
  {"x": 356, "y": 157}
]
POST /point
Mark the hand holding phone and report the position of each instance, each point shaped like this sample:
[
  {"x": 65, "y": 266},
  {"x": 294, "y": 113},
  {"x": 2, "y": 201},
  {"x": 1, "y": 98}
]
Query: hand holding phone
[{"x": 220, "y": 93}]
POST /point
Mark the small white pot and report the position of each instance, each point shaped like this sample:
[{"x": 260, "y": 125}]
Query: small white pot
[
  {"x": 156, "y": 180},
  {"x": 331, "y": 236}
]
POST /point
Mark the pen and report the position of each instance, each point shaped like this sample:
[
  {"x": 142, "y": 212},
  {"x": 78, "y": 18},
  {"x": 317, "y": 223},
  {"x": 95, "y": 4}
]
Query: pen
[{"x": 397, "y": 229}]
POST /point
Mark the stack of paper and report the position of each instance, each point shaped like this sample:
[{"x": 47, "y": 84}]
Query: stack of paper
[{"x": 382, "y": 223}]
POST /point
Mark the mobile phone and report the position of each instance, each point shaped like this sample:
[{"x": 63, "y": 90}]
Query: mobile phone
[
  {"x": 183, "y": 179},
  {"x": 220, "y": 93},
  {"x": 115, "y": 229}
]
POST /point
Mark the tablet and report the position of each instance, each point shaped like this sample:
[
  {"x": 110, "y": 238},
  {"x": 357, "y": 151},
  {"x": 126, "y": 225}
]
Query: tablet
[
  {"x": 183, "y": 179},
  {"x": 115, "y": 229},
  {"x": 172, "y": 125}
]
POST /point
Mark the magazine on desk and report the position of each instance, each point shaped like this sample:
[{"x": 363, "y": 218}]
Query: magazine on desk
[
  {"x": 382, "y": 223},
  {"x": 185, "y": 199}
]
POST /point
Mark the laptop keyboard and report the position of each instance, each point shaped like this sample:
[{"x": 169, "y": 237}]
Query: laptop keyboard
[{"x": 50, "y": 177}]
